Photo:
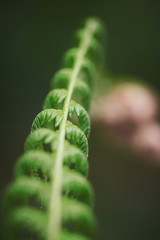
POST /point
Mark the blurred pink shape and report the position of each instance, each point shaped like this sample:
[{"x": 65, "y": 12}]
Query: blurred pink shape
[
  {"x": 129, "y": 115},
  {"x": 125, "y": 108},
  {"x": 146, "y": 141},
  {"x": 128, "y": 104}
]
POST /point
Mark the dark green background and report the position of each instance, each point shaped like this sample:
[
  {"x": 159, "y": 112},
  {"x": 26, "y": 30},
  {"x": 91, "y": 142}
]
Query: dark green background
[{"x": 34, "y": 36}]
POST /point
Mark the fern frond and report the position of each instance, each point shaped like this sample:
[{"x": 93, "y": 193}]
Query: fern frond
[{"x": 51, "y": 198}]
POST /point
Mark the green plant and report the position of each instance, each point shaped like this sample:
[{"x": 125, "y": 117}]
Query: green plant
[{"x": 50, "y": 197}]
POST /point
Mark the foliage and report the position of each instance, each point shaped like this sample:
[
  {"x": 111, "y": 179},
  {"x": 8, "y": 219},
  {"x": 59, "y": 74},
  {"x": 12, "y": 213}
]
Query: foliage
[{"x": 50, "y": 197}]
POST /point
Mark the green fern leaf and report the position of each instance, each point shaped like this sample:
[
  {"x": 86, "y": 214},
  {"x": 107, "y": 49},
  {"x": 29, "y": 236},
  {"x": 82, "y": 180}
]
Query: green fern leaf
[{"x": 50, "y": 198}]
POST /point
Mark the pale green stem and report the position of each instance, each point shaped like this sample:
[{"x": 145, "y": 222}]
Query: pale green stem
[{"x": 55, "y": 206}]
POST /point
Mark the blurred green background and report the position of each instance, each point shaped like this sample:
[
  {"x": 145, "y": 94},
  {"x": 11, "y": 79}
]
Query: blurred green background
[{"x": 34, "y": 37}]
